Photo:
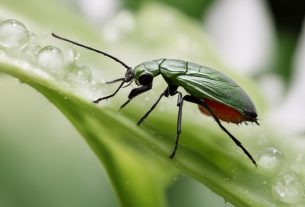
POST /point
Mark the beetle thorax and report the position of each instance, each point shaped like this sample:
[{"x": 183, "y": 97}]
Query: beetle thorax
[{"x": 150, "y": 67}]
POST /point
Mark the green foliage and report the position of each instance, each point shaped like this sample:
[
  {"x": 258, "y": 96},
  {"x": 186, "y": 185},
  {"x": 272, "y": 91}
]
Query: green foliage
[
  {"x": 192, "y": 8},
  {"x": 136, "y": 158}
]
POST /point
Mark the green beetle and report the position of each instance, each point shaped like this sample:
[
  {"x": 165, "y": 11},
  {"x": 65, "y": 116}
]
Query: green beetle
[{"x": 216, "y": 94}]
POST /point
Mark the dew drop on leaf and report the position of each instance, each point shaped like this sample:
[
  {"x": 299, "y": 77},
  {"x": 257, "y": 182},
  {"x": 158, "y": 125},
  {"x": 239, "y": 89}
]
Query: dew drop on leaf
[
  {"x": 97, "y": 89},
  {"x": 80, "y": 79},
  {"x": 72, "y": 56},
  {"x": 79, "y": 74},
  {"x": 270, "y": 159},
  {"x": 287, "y": 187},
  {"x": 51, "y": 59},
  {"x": 33, "y": 46},
  {"x": 13, "y": 34}
]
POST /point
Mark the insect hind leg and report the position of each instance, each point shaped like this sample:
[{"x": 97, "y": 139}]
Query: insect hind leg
[{"x": 193, "y": 99}]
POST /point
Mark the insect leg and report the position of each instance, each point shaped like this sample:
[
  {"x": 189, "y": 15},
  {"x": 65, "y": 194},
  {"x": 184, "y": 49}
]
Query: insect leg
[
  {"x": 106, "y": 97},
  {"x": 115, "y": 80},
  {"x": 135, "y": 92},
  {"x": 180, "y": 105},
  {"x": 170, "y": 90},
  {"x": 236, "y": 141},
  {"x": 128, "y": 84},
  {"x": 165, "y": 93}
]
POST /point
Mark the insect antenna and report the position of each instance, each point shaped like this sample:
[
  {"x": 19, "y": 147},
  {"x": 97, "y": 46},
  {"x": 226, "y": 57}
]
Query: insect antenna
[{"x": 93, "y": 49}]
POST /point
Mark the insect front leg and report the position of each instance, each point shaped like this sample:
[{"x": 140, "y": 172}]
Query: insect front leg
[
  {"x": 170, "y": 90},
  {"x": 165, "y": 93},
  {"x": 135, "y": 92},
  {"x": 106, "y": 97},
  {"x": 115, "y": 80}
]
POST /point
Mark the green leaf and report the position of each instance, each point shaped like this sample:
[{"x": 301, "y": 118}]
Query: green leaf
[
  {"x": 112, "y": 139},
  {"x": 136, "y": 157}
]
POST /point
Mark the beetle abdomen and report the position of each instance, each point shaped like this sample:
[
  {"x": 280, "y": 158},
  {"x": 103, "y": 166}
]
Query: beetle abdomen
[{"x": 223, "y": 112}]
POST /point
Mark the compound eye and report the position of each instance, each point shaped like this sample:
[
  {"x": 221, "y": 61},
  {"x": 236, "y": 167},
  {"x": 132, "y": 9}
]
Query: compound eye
[{"x": 145, "y": 79}]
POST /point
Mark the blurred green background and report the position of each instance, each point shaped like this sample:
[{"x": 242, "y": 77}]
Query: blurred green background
[{"x": 45, "y": 162}]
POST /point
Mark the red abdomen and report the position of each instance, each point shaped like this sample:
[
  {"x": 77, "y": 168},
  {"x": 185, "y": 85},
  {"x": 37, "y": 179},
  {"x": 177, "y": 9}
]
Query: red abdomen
[{"x": 222, "y": 111}]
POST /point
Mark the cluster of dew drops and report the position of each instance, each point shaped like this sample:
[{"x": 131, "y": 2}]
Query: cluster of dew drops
[
  {"x": 287, "y": 185},
  {"x": 64, "y": 67}
]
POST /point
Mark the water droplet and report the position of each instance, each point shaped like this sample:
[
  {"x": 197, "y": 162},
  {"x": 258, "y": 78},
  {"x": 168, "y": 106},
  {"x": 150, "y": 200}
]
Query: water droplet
[
  {"x": 287, "y": 187},
  {"x": 80, "y": 79},
  {"x": 51, "y": 59},
  {"x": 13, "y": 34},
  {"x": 72, "y": 56},
  {"x": 97, "y": 89},
  {"x": 32, "y": 47},
  {"x": 270, "y": 159},
  {"x": 79, "y": 74}
]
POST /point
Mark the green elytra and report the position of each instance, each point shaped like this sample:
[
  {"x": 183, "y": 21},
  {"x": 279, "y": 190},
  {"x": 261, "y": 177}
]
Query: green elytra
[{"x": 202, "y": 83}]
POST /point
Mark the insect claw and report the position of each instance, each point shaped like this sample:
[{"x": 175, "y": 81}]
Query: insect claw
[
  {"x": 100, "y": 99},
  {"x": 124, "y": 104},
  {"x": 172, "y": 156}
]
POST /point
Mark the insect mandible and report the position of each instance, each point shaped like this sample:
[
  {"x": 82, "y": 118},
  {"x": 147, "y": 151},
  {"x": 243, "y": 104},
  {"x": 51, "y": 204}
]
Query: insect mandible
[{"x": 215, "y": 94}]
